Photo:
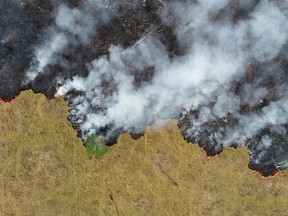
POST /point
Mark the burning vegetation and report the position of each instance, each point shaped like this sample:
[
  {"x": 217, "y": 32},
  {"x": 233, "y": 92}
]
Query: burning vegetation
[{"x": 219, "y": 67}]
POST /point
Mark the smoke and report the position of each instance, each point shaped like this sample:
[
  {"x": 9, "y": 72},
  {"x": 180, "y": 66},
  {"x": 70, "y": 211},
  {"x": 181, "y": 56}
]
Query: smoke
[
  {"x": 71, "y": 26},
  {"x": 46, "y": 54},
  {"x": 227, "y": 86}
]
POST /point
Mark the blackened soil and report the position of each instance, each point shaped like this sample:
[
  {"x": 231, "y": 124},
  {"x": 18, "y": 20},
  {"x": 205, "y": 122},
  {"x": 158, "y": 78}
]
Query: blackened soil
[
  {"x": 211, "y": 135},
  {"x": 21, "y": 25},
  {"x": 24, "y": 24}
]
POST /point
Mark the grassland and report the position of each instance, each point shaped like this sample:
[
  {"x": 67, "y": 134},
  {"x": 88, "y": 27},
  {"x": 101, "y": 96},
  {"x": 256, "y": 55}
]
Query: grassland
[{"x": 45, "y": 170}]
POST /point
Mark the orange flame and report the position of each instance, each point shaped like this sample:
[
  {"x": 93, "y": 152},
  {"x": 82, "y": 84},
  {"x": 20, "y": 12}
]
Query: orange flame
[
  {"x": 14, "y": 98},
  {"x": 8, "y": 101},
  {"x": 265, "y": 177},
  {"x": 208, "y": 156},
  {"x": 276, "y": 174}
]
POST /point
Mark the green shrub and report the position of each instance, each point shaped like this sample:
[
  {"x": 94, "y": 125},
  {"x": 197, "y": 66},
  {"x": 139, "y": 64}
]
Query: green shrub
[{"x": 96, "y": 146}]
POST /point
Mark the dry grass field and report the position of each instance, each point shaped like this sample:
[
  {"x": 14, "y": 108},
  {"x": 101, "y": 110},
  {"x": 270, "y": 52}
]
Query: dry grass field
[{"x": 45, "y": 170}]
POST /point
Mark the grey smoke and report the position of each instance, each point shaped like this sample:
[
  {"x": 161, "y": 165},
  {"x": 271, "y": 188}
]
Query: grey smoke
[{"x": 75, "y": 22}]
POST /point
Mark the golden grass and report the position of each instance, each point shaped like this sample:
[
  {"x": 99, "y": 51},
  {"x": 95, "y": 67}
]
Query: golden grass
[{"x": 44, "y": 170}]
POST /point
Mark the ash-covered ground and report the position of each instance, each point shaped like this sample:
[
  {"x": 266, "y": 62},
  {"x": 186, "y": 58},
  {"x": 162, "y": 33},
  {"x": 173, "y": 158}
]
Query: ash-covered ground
[{"x": 220, "y": 67}]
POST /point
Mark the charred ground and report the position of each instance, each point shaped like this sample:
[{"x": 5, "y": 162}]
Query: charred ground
[
  {"x": 26, "y": 21},
  {"x": 212, "y": 134}
]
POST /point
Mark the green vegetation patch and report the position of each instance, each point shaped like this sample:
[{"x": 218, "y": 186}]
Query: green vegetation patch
[{"x": 96, "y": 145}]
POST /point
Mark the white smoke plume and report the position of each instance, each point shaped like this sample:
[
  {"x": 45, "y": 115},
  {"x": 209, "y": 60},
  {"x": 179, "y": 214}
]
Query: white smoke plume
[
  {"x": 46, "y": 54},
  {"x": 217, "y": 54},
  {"x": 72, "y": 26},
  {"x": 220, "y": 39}
]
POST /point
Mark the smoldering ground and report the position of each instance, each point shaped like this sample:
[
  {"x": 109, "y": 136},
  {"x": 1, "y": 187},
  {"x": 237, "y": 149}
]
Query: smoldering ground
[{"x": 220, "y": 67}]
